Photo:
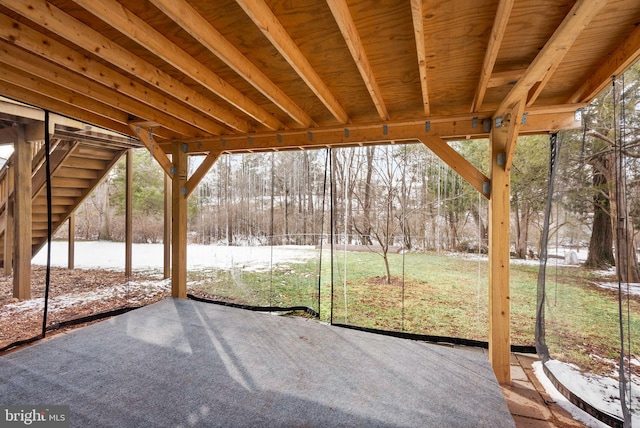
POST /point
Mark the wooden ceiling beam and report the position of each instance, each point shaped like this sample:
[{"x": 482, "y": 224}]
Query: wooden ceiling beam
[
  {"x": 495, "y": 41},
  {"x": 19, "y": 110},
  {"x": 63, "y": 108},
  {"x": 342, "y": 15},
  {"x": 43, "y": 87},
  {"x": 503, "y": 78},
  {"x": 74, "y": 31},
  {"x": 57, "y": 75},
  {"x": 418, "y": 29},
  {"x": 553, "y": 51},
  {"x": 621, "y": 59},
  {"x": 114, "y": 14},
  {"x": 272, "y": 28},
  {"x": 446, "y": 128},
  {"x": 199, "y": 28}
]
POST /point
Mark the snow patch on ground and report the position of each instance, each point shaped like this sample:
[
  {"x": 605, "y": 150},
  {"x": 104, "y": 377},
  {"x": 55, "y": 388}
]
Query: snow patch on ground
[
  {"x": 632, "y": 289},
  {"x": 601, "y": 392},
  {"x": 111, "y": 255},
  {"x": 57, "y": 303}
]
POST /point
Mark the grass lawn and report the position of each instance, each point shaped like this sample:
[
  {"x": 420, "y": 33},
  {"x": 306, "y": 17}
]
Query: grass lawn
[{"x": 439, "y": 295}]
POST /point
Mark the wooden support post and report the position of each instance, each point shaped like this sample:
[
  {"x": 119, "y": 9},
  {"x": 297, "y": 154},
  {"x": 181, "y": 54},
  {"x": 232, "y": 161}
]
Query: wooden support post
[
  {"x": 179, "y": 222},
  {"x": 72, "y": 242},
  {"x": 128, "y": 215},
  {"x": 167, "y": 226},
  {"x": 8, "y": 234},
  {"x": 22, "y": 217},
  {"x": 503, "y": 137}
]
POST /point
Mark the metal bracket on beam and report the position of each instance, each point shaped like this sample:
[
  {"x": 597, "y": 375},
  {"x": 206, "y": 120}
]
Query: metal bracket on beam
[
  {"x": 474, "y": 122},
  {"x": 502, "y": 159},
  {"x": 185, "y": 147},
  {"x": 577, "y": 115},
  {"x": 310, "y": 135},
  {"x": 183, "y": 190},
  {"x": 486, "y": 125},
  {"x": 250, "y": 140},
  {"x": 279, "y": 138},
  {"x": 385, "y": 129},
  {"x": 346, "y": 132},
  {"x": 427, "y": 126},
  {"x": 524, "y": 118},
  {"x": 224, "y": 142},
  {"x": 486, "y": 188},
  {"x": 172, "y": 170},
  {"x": 498, "y": 121}
]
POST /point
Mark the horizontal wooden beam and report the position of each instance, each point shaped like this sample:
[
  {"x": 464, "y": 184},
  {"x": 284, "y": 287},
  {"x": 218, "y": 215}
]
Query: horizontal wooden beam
[
  {"x": 537, "y": 121},
  {"x": 20, "y": 110}
]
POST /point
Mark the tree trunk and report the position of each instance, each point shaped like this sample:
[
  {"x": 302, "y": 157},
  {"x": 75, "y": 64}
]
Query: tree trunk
[
  {"x": 366, "y": 236},
  {"x": 600, "y": 249},
  {"x": 626, "y": 256},
  {"x": 523, "y": 216}
]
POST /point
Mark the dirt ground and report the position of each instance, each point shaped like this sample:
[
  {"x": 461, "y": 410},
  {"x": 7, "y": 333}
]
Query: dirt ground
[{"x": 72, "y": 294}]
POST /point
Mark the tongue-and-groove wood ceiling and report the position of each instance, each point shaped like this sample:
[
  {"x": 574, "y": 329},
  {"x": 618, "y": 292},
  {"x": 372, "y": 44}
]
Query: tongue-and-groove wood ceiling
[{"x": 236, "y": 75}]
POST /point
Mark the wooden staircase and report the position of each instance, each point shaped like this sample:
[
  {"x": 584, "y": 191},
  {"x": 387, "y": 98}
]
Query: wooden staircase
[{"x": 79, "y": 160}]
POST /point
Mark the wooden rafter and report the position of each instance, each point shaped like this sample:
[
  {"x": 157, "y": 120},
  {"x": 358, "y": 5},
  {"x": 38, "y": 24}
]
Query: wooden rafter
[
  {"x": 537, "y": 88},
  {"x": 103, "y": 96},
  {"x": 41, "y": 86},
  {"x": 418, "y": 30},
  {"x": 491, "y": 54},
  {"x": 192, "y": 22},
  {"x": 61, "y": 107},
  {"x": 136, "y": 29},
  {"x": 65, "y": 26},
  {"x": 626, "y": 54},
  {"x": 553, "y": 51},
  {"x": 340, "y": 11},
  {"x": 272, "y": 28}
]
